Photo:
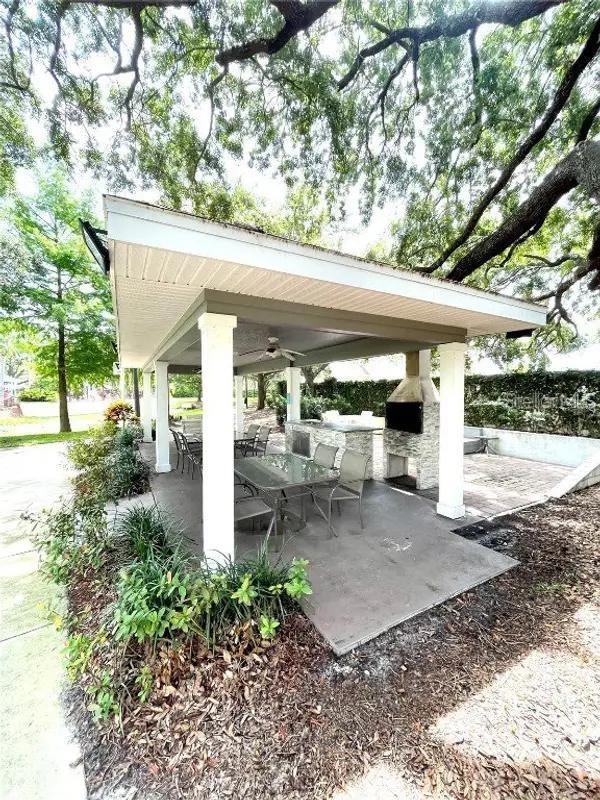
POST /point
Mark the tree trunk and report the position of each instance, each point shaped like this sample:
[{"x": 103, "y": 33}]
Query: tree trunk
[
  {"x": 261, "y": 383},
  {"x": 136, "y": 392},
  {"x": 63, "y": 411}
]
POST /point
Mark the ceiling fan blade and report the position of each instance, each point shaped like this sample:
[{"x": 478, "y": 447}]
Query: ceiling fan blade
[
  {"x": 295, "y": 352},
  {"x": 249, "y": 353},
  {"x": 289, "y": 354}
]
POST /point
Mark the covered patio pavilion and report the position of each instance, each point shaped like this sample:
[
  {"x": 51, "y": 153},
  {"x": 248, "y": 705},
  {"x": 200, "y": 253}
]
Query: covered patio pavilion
[{"x": 192, "y": 294}]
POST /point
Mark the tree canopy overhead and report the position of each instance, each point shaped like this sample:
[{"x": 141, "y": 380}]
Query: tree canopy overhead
[{"x": 474, "y": 123}]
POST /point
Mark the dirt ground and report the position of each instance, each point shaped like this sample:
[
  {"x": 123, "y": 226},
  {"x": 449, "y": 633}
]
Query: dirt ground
[{"x": 494, "y": 694}]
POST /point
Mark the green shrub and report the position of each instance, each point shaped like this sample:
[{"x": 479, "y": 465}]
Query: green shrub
[
  {"x": 127, "y": 473},
  {"x": 73, "y": 538},
  {"x": 164, "y": 596},
  {"x": 34, "y": 394},
  {"x": 107, "y": 462},
  {"x": 154, "y": 598}
]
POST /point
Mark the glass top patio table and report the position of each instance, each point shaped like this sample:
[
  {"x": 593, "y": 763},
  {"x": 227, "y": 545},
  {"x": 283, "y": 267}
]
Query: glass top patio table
[{"x": 281, "y": 471}]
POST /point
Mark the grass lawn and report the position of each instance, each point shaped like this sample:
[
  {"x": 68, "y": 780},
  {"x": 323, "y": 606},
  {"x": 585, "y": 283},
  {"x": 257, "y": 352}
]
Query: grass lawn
[
  {"x": 18, "y": 426},
  {"x": 178, "y": 407},
  {"x": 38, "y": 438}
]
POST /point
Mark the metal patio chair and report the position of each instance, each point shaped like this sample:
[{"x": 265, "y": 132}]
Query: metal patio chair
[
  {"x": 178, "y": 446},
  {"x": 260, "y": 443},
  {"x": 250, "y": 439},
  {"x": 192, "y": 454},
  {"x": 324, "y": 455},
  {"x": 249, "y": 506},
  {"x": 349, "y": 486}
]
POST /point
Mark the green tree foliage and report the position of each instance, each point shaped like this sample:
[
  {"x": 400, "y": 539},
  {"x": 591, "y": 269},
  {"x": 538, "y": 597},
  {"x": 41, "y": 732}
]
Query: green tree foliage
[
  {"x": 186, "y": 386},
  {"x": 475, "y": 122},
  {"x": 54, "y": 291}
]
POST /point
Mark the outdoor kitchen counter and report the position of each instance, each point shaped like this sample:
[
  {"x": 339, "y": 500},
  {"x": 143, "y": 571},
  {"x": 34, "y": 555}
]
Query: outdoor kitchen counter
[{"x": 304, "y": 435}]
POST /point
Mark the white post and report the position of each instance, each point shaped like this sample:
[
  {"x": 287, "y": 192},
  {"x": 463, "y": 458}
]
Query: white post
[
  {"x": 217, "y": 435},
  {"x": 163, "y": 435},
  {"x": 292, "y": 377},
  {"x": 238, "y": 383},
  {"x": 122, "y": 382},
  {"x": 452, "y": 408},
  {"x": 147, "y": 405}
]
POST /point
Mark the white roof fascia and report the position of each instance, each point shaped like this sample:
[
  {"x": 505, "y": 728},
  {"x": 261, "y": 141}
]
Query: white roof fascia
[{"x": 137, "y": 223}]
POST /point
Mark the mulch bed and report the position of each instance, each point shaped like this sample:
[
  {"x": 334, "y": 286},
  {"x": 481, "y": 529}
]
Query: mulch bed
[{"x": 295, "y": 722}]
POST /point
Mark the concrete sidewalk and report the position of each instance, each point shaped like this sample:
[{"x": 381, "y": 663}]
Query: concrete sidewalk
[{"x": 38, "y": 760}]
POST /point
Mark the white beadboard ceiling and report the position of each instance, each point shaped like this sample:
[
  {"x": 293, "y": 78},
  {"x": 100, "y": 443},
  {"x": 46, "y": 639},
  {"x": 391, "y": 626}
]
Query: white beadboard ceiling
[{"x": 154, "y": 285}]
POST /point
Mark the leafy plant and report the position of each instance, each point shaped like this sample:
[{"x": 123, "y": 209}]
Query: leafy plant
[
  {"x": 268, "y": 626},
  {"x": 297, "y": 585},
  {"x": 103, "y": 696},
  {"x": 153, "y": 593},
  {"x": 128, "y": 473},
  {"x": 145, "y": 682},
  {"x": 108, "y": 462},
  {"x": 120, "y": 411}
]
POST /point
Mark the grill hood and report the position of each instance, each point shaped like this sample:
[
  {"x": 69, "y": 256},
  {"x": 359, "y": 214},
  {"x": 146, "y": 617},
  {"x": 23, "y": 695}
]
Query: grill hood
[{"x": 415, "y": 389}]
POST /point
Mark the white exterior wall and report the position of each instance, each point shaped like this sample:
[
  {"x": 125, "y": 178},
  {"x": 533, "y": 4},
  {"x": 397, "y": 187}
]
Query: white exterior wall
[
  {"x": 217, "y": 435},
  {"x": 550, "y": 448}
]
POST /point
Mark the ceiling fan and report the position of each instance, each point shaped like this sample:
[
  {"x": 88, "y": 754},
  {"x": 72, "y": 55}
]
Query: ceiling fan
[{"x": 274, "y": 350}]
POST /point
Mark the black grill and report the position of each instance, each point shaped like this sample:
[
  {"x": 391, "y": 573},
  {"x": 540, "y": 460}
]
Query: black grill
[{"x": 406, "y": 417}]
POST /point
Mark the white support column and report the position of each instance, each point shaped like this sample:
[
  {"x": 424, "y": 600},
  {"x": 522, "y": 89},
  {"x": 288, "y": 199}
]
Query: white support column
[
  {"x": 163, "y": 435},
  {"x": 292, "y": 377},
  {"x": 238, "y": 388},
  {"x": 147, "y": 405},
  {"x": 452, "y": 407},
  {"x": 122, "y": 382},
  {"x": 217, "y": 435}
]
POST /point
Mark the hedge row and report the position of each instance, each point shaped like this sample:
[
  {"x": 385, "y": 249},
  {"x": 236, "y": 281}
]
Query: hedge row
[{"x": 547, "y": 402}]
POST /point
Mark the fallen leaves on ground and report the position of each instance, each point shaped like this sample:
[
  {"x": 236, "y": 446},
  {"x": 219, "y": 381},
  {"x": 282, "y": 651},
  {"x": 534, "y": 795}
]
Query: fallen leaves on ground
[{"x": 295, "y": 722}]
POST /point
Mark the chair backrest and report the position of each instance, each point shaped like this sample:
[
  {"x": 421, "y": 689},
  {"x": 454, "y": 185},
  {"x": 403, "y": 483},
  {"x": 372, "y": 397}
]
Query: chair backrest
[
  {"x": 177, "y": 439},
  {"x": 196, "y": 455},
  {"x": 330, "y": 416},
  {"x": 252, "y": 430},
  {"x": 366, "y": 413},
  {"x": 325, "y": 454},
  {"x": 263, "y": 434},
  {"x": 353, "y": 470}
]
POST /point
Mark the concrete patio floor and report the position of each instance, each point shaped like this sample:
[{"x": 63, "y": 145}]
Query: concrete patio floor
[{"x": 364, "y": 582}]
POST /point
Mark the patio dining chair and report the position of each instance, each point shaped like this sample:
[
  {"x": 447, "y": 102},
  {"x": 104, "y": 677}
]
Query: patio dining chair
[
  {"x": 260, "y": 443},
  {"x": 249, "y": 506},
  {"x": 349, "y": 485},
  {"x": 249, "y": 440},
  {"x": 192, "y": 453},
  {"x": 178, "y": 446},
  {"x": 324, "y": 456}
]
